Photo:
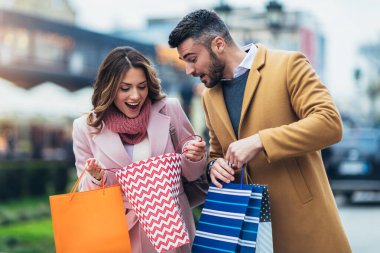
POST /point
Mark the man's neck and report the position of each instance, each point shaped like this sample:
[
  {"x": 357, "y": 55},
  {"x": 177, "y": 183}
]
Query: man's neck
[{"x": 234, "y": 56}]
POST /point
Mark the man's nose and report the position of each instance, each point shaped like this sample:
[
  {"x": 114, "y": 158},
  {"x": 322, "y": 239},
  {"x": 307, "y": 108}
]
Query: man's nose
[{"x": 189, "y": 69}]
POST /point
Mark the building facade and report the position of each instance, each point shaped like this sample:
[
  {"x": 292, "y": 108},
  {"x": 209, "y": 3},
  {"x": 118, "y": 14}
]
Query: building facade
[{"x": 277, "y": 28}]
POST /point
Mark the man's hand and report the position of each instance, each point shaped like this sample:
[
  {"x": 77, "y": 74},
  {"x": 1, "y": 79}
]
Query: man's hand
[
  {"x": 242, "y": 151},
  {"x": 220, "y": 170}
]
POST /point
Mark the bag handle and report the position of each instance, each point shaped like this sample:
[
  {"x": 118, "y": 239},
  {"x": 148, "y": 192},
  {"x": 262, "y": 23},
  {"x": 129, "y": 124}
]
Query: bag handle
[
  {"x": 242, "y": 177},
  {"x": 74, "y": 188},
  {"x": 184, "y": 139}
]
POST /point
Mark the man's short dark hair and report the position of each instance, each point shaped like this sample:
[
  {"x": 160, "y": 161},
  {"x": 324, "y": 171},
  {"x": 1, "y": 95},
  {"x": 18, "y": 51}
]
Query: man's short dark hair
[{"x": 202, "y": 26}]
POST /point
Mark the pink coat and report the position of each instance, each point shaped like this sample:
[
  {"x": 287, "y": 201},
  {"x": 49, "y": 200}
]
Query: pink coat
[{"x": 109, "y": 150}]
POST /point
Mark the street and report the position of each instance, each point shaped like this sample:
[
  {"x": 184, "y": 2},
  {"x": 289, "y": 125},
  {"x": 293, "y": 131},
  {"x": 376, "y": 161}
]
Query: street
[{"x": 361, "y": 221}]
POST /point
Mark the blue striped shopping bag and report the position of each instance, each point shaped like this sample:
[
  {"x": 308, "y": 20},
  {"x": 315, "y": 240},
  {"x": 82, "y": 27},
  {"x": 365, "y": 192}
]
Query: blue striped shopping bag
[{"x": 235, "y": 218}]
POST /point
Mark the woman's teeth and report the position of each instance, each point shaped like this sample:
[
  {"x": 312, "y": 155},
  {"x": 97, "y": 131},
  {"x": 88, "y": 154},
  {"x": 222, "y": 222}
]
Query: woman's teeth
[{"x": 132, "y": 105}]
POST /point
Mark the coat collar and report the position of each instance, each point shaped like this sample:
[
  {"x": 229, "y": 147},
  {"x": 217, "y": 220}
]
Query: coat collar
[
  {"x": 252, "y": 82},
  {"x": 111, "y": 145},
  {"x": 157, "y": 130}
]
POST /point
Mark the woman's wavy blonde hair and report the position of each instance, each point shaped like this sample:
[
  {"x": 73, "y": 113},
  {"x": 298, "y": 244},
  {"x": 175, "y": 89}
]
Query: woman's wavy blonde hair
[{"x": 110, "y": 74}]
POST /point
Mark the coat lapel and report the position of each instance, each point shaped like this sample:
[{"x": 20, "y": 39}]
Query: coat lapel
[
  {"x": 158, "y": 134},
  {"x": 252, "y": 82},
  {"x": 158, "y": 129},
  {"x": 111, "y": 145},
  {"x": 220, "y": 107}
]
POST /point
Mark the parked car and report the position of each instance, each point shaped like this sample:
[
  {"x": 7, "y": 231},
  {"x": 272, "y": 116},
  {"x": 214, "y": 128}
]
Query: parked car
[{"x": 354, "y": 163}]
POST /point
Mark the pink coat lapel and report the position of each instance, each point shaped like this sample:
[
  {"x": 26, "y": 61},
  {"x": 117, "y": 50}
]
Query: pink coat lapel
[
  {"x": 158, "y": 129},
  {"x": 111, "y": 145}
]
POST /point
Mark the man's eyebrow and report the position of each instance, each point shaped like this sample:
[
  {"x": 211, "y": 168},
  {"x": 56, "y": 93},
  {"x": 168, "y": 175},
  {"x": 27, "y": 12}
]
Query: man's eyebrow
[{"x": 186, "y": 55}]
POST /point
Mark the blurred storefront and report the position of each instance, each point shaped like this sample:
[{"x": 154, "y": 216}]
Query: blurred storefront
[
  {"x": 36, "y": 123},
  {"x": 47, "y": 67},
  {"x": 35, "y": 49},
  {"x": 277, "y": 28}
]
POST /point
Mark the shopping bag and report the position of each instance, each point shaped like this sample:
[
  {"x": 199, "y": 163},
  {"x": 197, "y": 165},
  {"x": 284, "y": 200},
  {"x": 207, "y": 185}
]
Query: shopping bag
[
  {"x": 152, "y": 188},
  {"x": 235, "y": 218},
  {"x": 90, "y": 221}
]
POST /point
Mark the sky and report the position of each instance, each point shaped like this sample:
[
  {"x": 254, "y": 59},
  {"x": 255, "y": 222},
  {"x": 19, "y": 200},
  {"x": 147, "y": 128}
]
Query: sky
[{"x": 346, "y": 25}]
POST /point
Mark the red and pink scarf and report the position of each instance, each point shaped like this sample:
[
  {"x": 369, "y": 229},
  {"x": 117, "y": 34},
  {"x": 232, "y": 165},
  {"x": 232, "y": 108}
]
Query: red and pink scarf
[{"x": 131, "y": 131}]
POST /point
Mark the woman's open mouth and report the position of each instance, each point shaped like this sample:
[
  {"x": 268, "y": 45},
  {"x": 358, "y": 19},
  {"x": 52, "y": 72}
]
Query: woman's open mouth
[{"x": 132, "y": 106}]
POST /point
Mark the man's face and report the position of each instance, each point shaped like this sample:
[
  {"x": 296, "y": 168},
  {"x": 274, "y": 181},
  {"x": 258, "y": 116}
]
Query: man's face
[{"x": 201, "y": 62}]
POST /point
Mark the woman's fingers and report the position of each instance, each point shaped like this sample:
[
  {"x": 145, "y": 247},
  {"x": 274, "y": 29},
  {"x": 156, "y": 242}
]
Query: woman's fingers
[
  {"x": 195, "y": 150},
  {"x": 94, "y": 167},
  {"x": 194, "y": 156}
]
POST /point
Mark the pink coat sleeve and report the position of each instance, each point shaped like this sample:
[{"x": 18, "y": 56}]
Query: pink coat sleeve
[{"x": 82, "y": 151}]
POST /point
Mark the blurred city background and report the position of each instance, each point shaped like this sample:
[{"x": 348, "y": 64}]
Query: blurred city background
[{"x": 50, "y": 51}]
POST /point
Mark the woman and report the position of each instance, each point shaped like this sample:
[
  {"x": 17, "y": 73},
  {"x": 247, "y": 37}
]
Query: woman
[{"x": 129, "y": 122}]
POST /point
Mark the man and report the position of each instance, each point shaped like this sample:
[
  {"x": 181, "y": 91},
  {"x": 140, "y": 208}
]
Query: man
[{"x": 268, "y": 110}]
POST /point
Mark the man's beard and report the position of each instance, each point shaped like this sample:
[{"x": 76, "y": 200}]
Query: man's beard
[{"x": 216, "y": 70}]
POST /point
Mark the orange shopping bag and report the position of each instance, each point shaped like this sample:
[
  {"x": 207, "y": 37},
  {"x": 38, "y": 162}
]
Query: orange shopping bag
[{"x": 90, "y": 221}]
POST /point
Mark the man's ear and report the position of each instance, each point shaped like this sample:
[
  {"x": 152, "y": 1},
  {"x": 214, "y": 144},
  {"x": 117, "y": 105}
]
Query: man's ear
[{"x": 218, "y": 45}]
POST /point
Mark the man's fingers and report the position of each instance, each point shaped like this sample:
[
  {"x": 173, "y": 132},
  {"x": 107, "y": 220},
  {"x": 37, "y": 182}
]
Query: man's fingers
[
  {"x": 236, "y": 163},
  {"x": 220, "y": 176},
  {"x": 226, "y": 171},
  {"x": 228, "y": 154},
  {"x": 215, "y": 181},
  {"x": 222, "y": 164}
]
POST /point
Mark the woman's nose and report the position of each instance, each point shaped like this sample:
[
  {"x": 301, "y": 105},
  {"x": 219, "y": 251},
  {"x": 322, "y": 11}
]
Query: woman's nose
[{"x": 135, "y": 94}]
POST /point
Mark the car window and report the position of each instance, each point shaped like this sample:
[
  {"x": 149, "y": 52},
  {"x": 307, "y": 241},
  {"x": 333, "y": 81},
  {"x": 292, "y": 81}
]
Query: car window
[{"x": 367, "y": 142}]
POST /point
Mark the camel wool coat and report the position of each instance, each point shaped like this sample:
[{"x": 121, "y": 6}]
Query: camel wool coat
[
  {"x": 293, "y": 112},
  {"x": 109, "y": 150}
]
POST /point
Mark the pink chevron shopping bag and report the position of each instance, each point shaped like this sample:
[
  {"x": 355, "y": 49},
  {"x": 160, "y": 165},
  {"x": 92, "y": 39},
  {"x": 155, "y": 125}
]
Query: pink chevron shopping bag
[{"x": 152, "y": 188}]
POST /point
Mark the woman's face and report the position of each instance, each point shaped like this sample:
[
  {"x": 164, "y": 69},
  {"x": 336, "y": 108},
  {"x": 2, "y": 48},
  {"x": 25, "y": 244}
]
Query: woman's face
[{"x": 132, "y": 92}]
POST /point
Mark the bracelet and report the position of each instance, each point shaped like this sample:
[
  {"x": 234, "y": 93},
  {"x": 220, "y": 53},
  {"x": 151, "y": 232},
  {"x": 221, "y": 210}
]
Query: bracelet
[{"x": 210, "y": 164}]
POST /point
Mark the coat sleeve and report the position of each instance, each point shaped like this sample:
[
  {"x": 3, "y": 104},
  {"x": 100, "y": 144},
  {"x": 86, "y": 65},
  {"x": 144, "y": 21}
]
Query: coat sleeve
[
  {"x": 190, "y": 170},
  {"x": 82, "y": 152},
  {"x": 319, "y": 123}
]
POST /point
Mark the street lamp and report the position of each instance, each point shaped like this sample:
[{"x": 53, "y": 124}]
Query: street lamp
[{"x": 275, "y": 14}]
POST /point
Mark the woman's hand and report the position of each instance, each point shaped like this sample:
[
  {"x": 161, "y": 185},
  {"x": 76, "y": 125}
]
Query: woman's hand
[
  {"x": 195, "y": 150},
  {"x": 95, "y": 168}
]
